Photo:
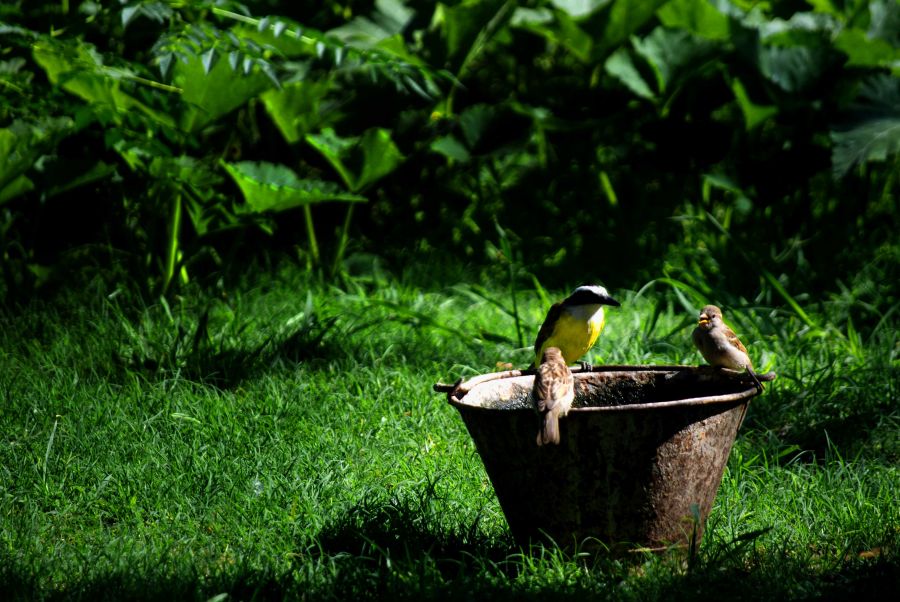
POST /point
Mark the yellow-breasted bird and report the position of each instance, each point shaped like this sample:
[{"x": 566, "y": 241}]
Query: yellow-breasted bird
[
  {"x": 573, "y": 324},
  {"x": 552, "y": 394},
  {"x": 718, "y": 344}
]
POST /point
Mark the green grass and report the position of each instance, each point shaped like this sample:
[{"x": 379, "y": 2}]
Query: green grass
[{"x": 281, "y": 439}]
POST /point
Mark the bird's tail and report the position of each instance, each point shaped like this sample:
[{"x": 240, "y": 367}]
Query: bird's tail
[
  {"x": 755, "y": 378},
  {"x": 549, "y": 432},
  {"x": 747, "y": 405}
]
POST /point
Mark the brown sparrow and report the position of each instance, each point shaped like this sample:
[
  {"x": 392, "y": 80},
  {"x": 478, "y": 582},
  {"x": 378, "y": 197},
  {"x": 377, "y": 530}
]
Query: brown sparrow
[
  {"x": 552, "y": 394},
  {"x": 719, "y": 345}
]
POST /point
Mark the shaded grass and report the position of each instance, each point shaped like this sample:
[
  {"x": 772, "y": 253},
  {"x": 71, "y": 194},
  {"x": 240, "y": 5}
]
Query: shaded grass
[{"x": 282, "y": 440}]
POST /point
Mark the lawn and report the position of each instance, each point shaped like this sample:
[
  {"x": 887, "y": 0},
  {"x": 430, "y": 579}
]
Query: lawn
[{"x": 277, "y": 437}]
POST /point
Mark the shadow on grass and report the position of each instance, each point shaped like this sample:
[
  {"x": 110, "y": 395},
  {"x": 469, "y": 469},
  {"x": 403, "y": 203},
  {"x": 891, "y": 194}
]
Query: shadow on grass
[
  {"x": 787, "y": 579},
  {"x": 386, "y": 552},
  {"x": 229, "y": 364}
]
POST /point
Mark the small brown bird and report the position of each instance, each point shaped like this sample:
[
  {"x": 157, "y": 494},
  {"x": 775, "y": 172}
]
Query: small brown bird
[
  {"x": 552, "y": 394},
  {"x": 719, "y": 345}
]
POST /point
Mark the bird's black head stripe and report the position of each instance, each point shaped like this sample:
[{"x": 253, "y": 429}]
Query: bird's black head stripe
[{"x": 587, "y": 296}]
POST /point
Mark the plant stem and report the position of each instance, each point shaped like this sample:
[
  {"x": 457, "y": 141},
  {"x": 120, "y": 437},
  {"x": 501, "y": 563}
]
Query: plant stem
[
  {"x": 342, "y": 243},
  {"x": 172, "y": 254},
  {"x": 311, "y": 235}
]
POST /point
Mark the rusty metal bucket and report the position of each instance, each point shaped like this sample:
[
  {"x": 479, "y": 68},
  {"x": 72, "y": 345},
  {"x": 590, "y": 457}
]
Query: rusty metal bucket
[{"x": 641, "y": 456}]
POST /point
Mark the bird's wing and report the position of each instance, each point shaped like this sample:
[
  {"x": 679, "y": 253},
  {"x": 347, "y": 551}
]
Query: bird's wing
[
  {"x": 552, "y": 383},
  {"x": 541, "y": 392},
  {"x": 547, "y": 328},
  {"x": 732, "y": 338}
]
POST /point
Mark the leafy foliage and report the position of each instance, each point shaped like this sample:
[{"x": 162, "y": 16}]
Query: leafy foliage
[{"x": 693, "y": 137}]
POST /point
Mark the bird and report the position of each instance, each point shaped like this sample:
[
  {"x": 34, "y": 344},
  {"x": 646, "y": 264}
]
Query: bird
[
  {"x": 718, "y": 344},
  {"x": 552, "y": 394},
  {"x": 573, "y": 324}
]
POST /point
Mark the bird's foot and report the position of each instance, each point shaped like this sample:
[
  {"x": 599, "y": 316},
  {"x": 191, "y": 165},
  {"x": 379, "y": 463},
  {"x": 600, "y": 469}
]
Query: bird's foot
[{"x": 585, "y": 366}]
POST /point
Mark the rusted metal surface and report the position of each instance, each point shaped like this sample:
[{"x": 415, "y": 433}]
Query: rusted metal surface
[{"x": 641, "y": 454}]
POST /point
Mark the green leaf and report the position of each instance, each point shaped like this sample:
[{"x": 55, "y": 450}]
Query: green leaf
[
  {"x": 557, "y": 27},
  {"x": 359, "y": 161},
  {"x": 578, "y": 9},
  {"x": 754, "y": 114},
  {"x": 451, "y": 148},
  {"x": 864, "y": 51},
  {"x": 275, "y": 187},
  {"x": 209, "y": 96},
  {"x": 186, "y": 170},
  {"x": 336, "y": 150},
  {"x": 872, "y": 131},
  {"x": 79, "y": 70},
  {"x": 673, "y": 53},
  {"x": 295, "y": 108},
  {"x": 475, "y": 121},
  {"x": 884, "y": 21},
  {"x": 621, "y": 66},
  {"x": 16, "y": 187},
  {"x": 870, "y": 140},
  {"x": 461, "y": 24},
  {"x": 209, "y": 59},
  {"x": 20, "y": 146},
  {"x": 573, "y": 37},
  {"x": 699, "y": 17},
  {"x": 793, "y": 68},
  {"x": 624, "y": 18},
  {"x": 389, "y": 19},
  {"x": 129, "y": 13},
  {"x": 285, "y": 37},
  {"x": 380, "y": 157}
]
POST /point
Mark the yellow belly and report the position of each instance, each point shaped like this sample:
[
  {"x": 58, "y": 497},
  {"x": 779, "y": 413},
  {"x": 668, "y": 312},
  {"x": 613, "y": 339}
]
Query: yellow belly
[{"x": 573, "y": 336}]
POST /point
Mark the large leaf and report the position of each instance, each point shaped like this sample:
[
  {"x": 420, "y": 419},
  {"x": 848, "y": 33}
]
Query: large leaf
[
  {"x": 186, "y": 170},
  {"x": 578, "y": 9},
  {"x": 79, "y": 70},
  {"x": 460, "y": 25},
  {"x": 15, "y": 187},
  {"x": 451, "y": 148},
  {"x": 865, "y": 51},
  {"x": 673, "y": 53},
  {"x": 213, "y": 90},
  {"x": 793, "y": 68},
  {"x": 884, "y": 21},
  {"x": 870, "y": 140},
  {"x": 389, "y": 19},
  {"x": 295, "y": 108},
  {"x": 623, "y": 18},
  {"x": 873, "y": 131},
  {"x": 557, "y": 27},
  {"x": 359, "y": 161},
  {"x": 699, "y": 17},
  {"x": 275, "y": 187},
  {"x": 754, "y": 114},
  {"x": 621, "y": 66},
  {"x": 20, "y": 146},
  {"x": 475, "y": 122}
]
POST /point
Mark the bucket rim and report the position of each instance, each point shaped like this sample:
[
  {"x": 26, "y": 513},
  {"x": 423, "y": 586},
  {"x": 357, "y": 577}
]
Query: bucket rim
[{"x": 456, "y": 393}]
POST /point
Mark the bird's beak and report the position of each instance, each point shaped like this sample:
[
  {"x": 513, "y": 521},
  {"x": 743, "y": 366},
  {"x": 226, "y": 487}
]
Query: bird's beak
[{"x": 704, "y": 320}]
